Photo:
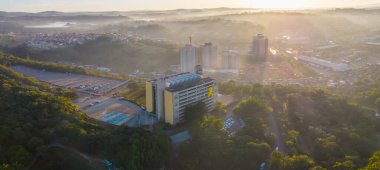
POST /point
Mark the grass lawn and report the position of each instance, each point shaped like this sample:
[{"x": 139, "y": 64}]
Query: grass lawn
[{"x": 136, "y": 95}]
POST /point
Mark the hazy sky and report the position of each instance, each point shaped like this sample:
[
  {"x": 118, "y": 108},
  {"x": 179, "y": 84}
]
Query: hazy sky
[{"x": 124, "y": 5}]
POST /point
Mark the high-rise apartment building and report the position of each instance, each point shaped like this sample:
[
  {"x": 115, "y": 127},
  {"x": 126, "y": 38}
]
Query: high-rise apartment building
[
  {"x": 188, "y": 57},
  {"x": 168, "y": 97},
  {"x": 260, "y": 46},
  {"x": 230, "y": 59},
  {"x": 209, "y": 55}
]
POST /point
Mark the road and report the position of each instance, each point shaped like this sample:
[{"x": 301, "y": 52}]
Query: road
[
  {"x": 277, "y": 132},
  {"x": 278, "y": 140},
  {"x": 236, "y": 126}
]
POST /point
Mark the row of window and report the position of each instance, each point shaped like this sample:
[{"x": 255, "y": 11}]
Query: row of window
[{"x": 199, "y": 86}]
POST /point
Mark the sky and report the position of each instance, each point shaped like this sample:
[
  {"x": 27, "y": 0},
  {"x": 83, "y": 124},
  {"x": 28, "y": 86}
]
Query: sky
[{"x": 128, "y": 5}]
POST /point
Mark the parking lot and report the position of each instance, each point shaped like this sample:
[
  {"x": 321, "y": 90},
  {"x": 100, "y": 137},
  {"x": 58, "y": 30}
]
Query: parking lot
[
  {"x": 83, "y": 83},
  {"x": 96, "y": 104}
]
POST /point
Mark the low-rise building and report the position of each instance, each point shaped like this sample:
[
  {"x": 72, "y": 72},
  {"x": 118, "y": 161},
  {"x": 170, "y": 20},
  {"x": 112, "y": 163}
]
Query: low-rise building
[{"x": 325, "y": 63}]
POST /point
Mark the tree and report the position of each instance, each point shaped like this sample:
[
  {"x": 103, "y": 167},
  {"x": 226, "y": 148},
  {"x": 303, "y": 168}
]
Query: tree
[
  {"x": 252, "y": 106},
  {"x": 373, "y": 162},
  {"x": 298, "y": 162},
  {"x": 209, "y": 142},
  {"x": 137, "y": 149},
  {"x": 219, "y": 110},
  {"x": 195, "y": 112},
  {"x": 346, "y": 165},
  {"x": 276, "y": 160},
  {"x": 377, "y": 103},
  {"x": 293, "y": 135}
]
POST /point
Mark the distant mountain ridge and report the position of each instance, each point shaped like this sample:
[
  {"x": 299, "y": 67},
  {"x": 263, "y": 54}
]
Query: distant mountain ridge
[{"x": 124, "y": 13}]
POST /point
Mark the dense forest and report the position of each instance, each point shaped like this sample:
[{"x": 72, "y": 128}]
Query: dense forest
[{"x": 331, "y": 131}]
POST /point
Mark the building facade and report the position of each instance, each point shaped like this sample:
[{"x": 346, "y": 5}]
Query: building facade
[
  {"x": 168, "y": 97},
  {"x": 230, "y": 59},
  {"x": 188, "y": 58},
  {"x": 209, "y": 55},
  {"x": 260, "y": 46}
]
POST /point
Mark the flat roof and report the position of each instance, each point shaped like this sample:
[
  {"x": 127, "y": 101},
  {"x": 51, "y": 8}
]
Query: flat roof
[
  {"x": 182, "y": 78},
  {"x": 180, "y": 137},
  {"x": 189, "y": 84},
  {"x": 183, "y": 81}
]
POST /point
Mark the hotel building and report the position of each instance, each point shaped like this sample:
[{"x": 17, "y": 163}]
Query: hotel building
[{"x": 168, "y": 97}]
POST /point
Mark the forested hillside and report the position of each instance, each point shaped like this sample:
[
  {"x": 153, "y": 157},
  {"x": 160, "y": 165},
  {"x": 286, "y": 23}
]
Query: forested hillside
[
  {"x": 332, "y": 131},
  {"x": 120, "y": 56},
  {"x": 319, "y": 130},
  {"x": 6, "y": 59},
  {"x": 35, "y": 117},
  {"x": 31, "y": 120}
]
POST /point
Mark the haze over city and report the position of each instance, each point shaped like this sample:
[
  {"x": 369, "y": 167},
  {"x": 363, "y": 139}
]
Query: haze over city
[
  {"x": 189, "y": 85},
  {"x": 127, "y": 5}
]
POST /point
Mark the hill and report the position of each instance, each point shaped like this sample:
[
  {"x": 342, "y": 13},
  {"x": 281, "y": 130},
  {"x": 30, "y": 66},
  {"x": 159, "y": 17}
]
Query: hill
[
  {"x": 34, "y": 118},
  {"x": 120, "y": 56}
]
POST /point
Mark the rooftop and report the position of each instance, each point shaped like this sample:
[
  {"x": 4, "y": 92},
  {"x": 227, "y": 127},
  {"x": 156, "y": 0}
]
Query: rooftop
[
  {"x": 181, "y": 78},
  {"x": 183, "y": 81},
  {"x": 180, "y": 137},
  {"x": 183, "y": 86}
]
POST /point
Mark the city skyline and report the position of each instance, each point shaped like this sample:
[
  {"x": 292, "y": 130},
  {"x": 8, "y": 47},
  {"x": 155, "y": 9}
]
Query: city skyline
[{"x": 122, "y": 5}]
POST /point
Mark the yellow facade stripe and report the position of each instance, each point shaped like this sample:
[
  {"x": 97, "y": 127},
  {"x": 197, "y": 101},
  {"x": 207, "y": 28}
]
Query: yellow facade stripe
[
  {"x": 210, "y": 92},
  {"x": 149, "y": 96},
  {"x": 169, "y": 113}
]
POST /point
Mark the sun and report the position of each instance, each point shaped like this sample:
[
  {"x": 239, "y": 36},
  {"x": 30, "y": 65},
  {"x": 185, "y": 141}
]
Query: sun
[{"x": 278, "y": 4}]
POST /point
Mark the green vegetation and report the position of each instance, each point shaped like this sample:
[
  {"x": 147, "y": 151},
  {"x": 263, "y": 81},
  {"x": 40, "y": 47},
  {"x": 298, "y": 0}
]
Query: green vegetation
[
  {"x": 55, "y": 67},
  {"x": 59, "y": 158},
  {"x": 130, "y": 56},
  {"x": 282, "y": 162},
  {"x": 320, "y": 130},
  {"x": 367, "y": 90},
  {"x": 327, "y": 129},
  {"x": 34, "y": 82},
  {"x": 5, "y": 40},
  {"x": 374, "y": 162},
  {"x": 135, "y": 92},
  {"x": 6, "y": 71},
  {"x": 212, "y": 143},
  {"x": 31, "y": 120},
  {"x": 195, "y": 113},
  {"x": 136, "y": 148}
]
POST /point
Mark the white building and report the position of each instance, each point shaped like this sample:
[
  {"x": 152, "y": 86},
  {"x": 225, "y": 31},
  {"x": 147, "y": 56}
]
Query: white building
[
  {"x": 189, "y": 58},
  {"x": 209, "y": 54},
  {"x": 260, "y": 46},
  {"x": 230, "y": 60},
  {"x": 325, "y": 63}
]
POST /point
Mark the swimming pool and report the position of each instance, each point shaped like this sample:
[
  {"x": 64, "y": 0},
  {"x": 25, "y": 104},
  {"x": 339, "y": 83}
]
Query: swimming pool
[{"x": 114, "y": 118}]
